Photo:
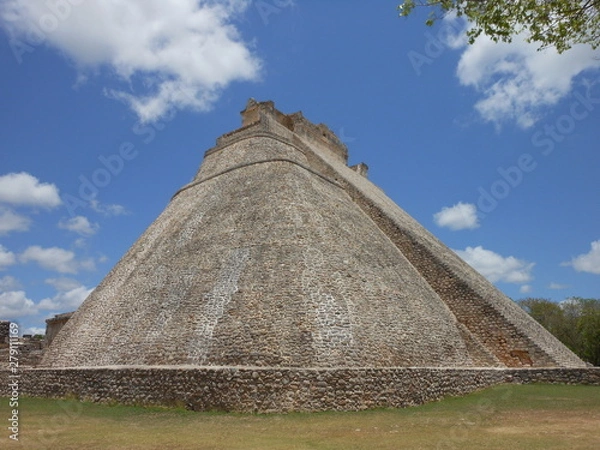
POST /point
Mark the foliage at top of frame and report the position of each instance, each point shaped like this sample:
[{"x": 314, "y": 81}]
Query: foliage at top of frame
[{"x": 551, "y": 23}]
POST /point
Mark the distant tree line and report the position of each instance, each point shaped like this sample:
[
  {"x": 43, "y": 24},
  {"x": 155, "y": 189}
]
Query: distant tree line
[{"x": 575, "y": 322}]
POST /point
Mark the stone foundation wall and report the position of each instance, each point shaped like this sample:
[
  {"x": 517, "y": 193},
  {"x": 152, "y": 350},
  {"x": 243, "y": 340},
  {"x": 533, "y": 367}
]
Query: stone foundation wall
[{"x": 260, "y": 389}]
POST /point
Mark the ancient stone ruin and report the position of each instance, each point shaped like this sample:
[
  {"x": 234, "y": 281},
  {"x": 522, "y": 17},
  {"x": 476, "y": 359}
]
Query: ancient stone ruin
[
  {"x": 54, "y": 325},
  {"x": 4, "y": 333},
  {"x": 282, "y": 279},
  {"x": 30, "y": 348}
]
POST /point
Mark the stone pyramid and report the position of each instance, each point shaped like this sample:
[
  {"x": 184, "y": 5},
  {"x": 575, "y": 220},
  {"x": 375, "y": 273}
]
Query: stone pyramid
[{"x": 278, "y": 254}]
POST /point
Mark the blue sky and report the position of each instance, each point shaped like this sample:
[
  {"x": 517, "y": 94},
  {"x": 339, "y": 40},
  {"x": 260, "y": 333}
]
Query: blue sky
[{"x": 108, "y": 107}]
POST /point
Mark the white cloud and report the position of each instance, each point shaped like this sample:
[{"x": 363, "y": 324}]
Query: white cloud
[
  {"x": 496, "y": 267},
  {"x": 63, "y": 284},
  {"x": 179, "y": 54},
  {"x": 7, "y": 258},
  {"x": 34, "y": 330},
  {"x": 458, "y": 217},
  {"x": 525, "y": 289},
  {"x": 516, "y": 81},
  {"x": 8, "y": 283},
  {"x": 11, "y": 221},
  {"x": 26, "y": 190},
  {"x": 569, "y": 301},
  {"x": 56, "y": 259},
  {"x": 80, "y": 225},
  {"x": 80, "y": 243},
  {"x": 554, "y": 285},
  {"x": 65, "y": 301},
  {"x": 88, "y": 264},
  {"x": 15, "y": 304},
  {"x": 108, "y": 209},
  {"x": 587, "y": 262}
]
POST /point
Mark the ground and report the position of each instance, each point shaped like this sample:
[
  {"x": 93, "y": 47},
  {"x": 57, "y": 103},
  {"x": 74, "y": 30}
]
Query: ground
[{"x": 504, "y": 417}]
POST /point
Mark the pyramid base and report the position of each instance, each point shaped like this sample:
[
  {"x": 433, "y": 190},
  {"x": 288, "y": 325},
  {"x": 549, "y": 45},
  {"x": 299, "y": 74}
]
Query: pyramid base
[{"x": 274, "y": 389}]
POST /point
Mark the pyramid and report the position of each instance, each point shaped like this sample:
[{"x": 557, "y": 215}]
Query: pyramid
[{"x": 278, "y": 254}]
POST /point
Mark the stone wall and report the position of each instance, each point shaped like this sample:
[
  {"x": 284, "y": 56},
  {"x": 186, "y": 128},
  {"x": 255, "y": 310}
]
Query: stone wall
[
  {"x": 4, "y": 332},
  {"x": 54, "y": 325},
  {"x": 30, "y": 351},
  {"x": 260, "y": 389}
]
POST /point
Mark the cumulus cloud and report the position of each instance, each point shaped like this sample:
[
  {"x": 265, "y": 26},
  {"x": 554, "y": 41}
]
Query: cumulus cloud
[
  {"x": 515, "y": 80},
  {"x": 15, "y": 304},
  {"x": 34, "y": 330},
  {"x": 557, "y": 286},
  {"x": 55, "y": 259},
  {"x": 458, "y": 217},
  {"x": 66, "y": 300},
  {"x": 7, "y": 258},
  {"x": 26, "y": 190},
  {"x": 172, "y": 54},
  {"x": 63, "y": 284},
  {"x": 80, "y": 225},
  {"x": 525, "y": 289},
  {"x": 587, "y": 262},
  {"x": 70, "y": 294},
  {"x": 496, "y": 267},
  {"x": 11, "y": 221},
  {"x": 108, "y": 209},
  {"x": 8, "y": 283}
]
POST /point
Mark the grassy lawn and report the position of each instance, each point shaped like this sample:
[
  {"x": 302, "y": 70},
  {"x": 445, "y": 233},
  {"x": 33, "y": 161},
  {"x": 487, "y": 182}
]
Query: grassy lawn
[{"x": 503, "y": 417}]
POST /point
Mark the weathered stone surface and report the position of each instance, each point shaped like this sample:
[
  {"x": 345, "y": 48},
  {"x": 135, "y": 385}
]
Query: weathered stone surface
[
  {"x": 265, "y": 389},
  {"x": 4, "y": 332},
  {"x": 278, "y": 254},
  {"x": 279, "y": 257},
  {"x": 54, "y": 325}
]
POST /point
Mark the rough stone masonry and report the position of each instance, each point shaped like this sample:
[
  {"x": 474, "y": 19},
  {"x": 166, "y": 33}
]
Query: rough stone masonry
[{"x": 281, "y": 279}]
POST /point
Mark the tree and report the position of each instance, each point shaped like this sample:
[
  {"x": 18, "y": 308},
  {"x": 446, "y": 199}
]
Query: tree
[
  {"x": 588, "y": 327},
  {"x": 575, "y": 322},
  {"x": 551, "y": 23}
]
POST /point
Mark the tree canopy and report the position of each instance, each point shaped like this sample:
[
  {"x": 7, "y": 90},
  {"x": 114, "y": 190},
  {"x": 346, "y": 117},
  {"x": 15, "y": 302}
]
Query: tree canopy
[
  {"x": 575, "y": 322},
  {"x": 551, "y": 23}
]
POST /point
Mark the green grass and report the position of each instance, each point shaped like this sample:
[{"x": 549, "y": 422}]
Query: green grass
[{"x": 503, "y": 417}]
